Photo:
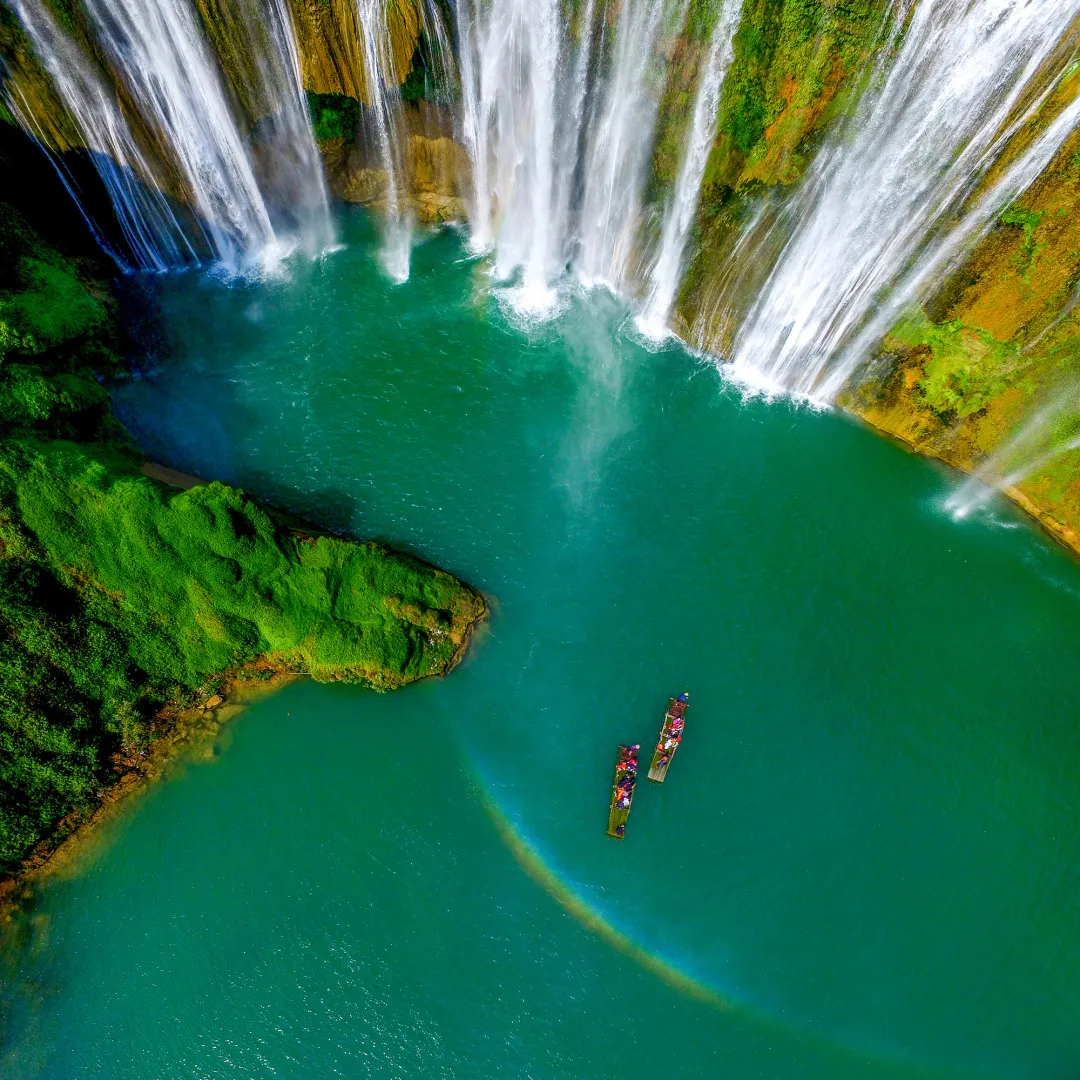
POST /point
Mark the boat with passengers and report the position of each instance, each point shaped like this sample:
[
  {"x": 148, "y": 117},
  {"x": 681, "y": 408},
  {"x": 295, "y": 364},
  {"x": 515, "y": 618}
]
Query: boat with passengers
[
  {"x": 622, "y": 790},
  {"x": 671, "y": 733}
]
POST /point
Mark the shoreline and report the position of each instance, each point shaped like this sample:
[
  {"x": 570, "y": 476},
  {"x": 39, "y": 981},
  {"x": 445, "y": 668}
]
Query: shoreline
[
  {"x": 1058, "y": 532},
  {"x": 183, "y": 729},
  {"x": 179, "y": 728}
]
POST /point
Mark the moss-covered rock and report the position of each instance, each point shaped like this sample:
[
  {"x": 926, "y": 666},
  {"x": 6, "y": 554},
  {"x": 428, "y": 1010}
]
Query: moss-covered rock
[
  {"x": 797, "y": 65},
  {"x": 121, "y": 597},
  {"x": 993, "y": 359}
]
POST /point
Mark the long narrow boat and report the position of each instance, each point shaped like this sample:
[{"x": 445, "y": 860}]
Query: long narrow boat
[
  {"x": 622, "y": 790},
  {"x": 671, "y": 732}
]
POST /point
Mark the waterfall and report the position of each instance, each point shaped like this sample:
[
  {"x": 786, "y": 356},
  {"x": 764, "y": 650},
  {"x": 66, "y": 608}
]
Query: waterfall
[
  {"x": 1053, "y": 429},
  {"x": 157, "y": 51},
  {"x": 440, "y": 47},
  {"x": 295, "y": 183},
  {"x": 154, "y": 237},
  {"x": 511, "y": 52},
  {"x": 158, "y": 118},
  {"x": 682, "y": 206},
  {"x": 385, "y": 104},
  {"x": 558, "y": 183},
  {"x": 619, "y": 154},
  {"x": 886, "y": 205}
]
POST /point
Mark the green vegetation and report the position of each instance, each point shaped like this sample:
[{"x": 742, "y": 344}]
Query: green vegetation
[
  {"x": 964, "y": 368},
  {"x": 421, "y": 84},
  {"x": 1029, "y": 221},
  {"x": 789, "y": 59},
  {"x": 333, "y": 116},
  {"x": 701, "y": 17},
  {"x": 120, "y": 598},
  {"x": 796, "y": 66}
]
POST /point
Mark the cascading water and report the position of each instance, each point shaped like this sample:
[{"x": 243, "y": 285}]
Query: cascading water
[
  {"x": 558, "y": 110},
  {"x": 1053, "y": 429},
  {"x": 193, "y": 146},
  {"x": 510, "y": 53},
  {"x": 295, "y": 184},
  {"x": 439, "y": 54},
  {"x": 154, "y": 236},
  {"x": 385, "y": 114},
  {"x": 682, "y": 206},
  {"x": 156, "y": 50},
  {"x": 616, "y": 165},
  {"x": 557, "y": 182},
  {"x": 878, "y": 216}
]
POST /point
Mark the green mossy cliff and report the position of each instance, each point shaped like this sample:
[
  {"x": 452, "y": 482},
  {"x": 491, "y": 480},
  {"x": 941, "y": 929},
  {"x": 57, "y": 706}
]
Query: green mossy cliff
[
  {"x": 988, "y": 369},
  {"x": 797, "y": 67},
  {"x": 122, "y": 599},
  {"x": 985, "y": 374}
]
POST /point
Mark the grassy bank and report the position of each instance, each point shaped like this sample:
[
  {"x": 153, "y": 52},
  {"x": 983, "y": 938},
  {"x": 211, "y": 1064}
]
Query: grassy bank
[{"x": 122, "y": 599}]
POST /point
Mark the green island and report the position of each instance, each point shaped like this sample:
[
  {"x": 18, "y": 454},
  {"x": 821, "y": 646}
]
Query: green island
[{"x": 123, "y": 600}]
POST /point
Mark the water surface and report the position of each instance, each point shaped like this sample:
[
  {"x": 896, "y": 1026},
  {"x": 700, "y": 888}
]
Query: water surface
[{"x": 864, "y": 861}]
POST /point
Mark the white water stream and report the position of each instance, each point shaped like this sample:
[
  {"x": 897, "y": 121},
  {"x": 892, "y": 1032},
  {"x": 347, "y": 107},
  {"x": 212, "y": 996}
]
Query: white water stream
[
  {"x": 154, "y": 236},
  {"x": 882, "y": 214},
  {"x": 560, "y": 135},
  {"x": 558, "y": 110},
  {"x": 616, "y": 165},
  {"x": 385, "y": 116},
  {"x": 1051, "y": 430},
  {"x": 155, "y": 49},
  {"x": 297, "y": 194},
  {"x": 667, "y": 270},
  {"x": 511, "y": 52}
]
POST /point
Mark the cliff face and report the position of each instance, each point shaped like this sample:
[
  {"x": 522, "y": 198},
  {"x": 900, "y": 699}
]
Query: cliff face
[
  {"x": 796, "y": 66},
  {"x": 330, "y": 44},
  {"x": 960, "y": 377},
  {"x": 986, "y": 373},
  {"x": 436, "y": 165},
  {"x": 330, "y": 50}
]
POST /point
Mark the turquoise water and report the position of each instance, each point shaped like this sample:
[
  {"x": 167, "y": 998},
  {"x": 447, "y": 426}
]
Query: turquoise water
[{"x": 864, "y": 862}]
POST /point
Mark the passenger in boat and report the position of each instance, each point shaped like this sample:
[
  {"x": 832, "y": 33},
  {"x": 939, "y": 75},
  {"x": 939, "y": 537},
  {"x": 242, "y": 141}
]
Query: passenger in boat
[{"x": 620, "y": 829}]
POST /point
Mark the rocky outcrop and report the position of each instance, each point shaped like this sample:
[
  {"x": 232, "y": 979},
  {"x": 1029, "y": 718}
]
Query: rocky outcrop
[
  {"x": 987, "y": 374},
  {"x": 436, "y": 167},
  {"x": 129, "y": 592},
  {"x": 331, "y": 48}
]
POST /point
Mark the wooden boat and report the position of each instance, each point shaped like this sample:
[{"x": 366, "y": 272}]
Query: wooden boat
[
  {"x": 622, "y": 790},
  {"x": 671, "y": 732}
]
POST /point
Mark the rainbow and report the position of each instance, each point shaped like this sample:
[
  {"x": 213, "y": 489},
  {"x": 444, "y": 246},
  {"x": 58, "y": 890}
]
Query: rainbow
[
  {"x": 534, "y": 865},
  {"x": 531, "y": 862}
]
